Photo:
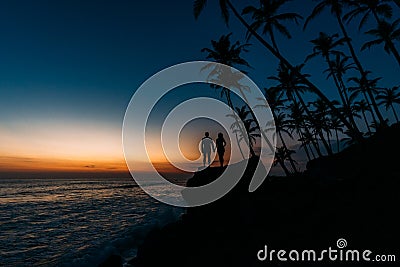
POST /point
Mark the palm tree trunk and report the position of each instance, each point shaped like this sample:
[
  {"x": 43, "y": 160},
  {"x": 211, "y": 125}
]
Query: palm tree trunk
[
  {"x": 376, "y": 16},
  {"x": 316, "y": 147},
  {"x": 244, "y": 132},
  {"x": 344, "y": 88},
  {"x": 375, "y": 107},
  {"x": 394, "y": 113},
  {"x": 316, "y": 144},
  {"x": 230, "y": 104},
  {"x": 349, "y": 44},
  {"x": 273, "y": 41},
  {"x": 369, "y": 108},
  {"x": 284, "y": 168},
  {"x": 346, "y": 97},
  {"x": 328, "y": 137},
  {"x": 305, "y": 146},
  {"x": 261, "y": 132},
  {"x": 394, "y": 51},
  {"x": 311, "y": 118},
  {"x": 292, "y": 164},
  {"x": 229, "y": 100},
  {"x": 335, "y": 80},
  {"x": 253, "y": 154},
  {"x": 240, "y": 148},
  {"x": 312, "y": 87},
  {"x": 366, "y": 121},
  {"x": 337, "y": 141},
  {"x": 343, "y": 97},
  {"x": 306, "y": 129},
  {"x": 311, "y": 150},
  {"x": 359, "y": 67},
  {"x": 306, "y": 150},
  {"x": 390, "y": 43},
  {"x": 397, "y": 3},
  {"x": 255, "y": 120}
]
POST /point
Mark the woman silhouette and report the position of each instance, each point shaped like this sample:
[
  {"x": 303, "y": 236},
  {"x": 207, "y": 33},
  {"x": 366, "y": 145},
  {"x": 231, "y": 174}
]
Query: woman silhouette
[{"x": 221, "y": 143}]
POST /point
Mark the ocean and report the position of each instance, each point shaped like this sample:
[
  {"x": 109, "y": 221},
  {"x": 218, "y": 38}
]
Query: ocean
[{"x": 75, "y": 222}]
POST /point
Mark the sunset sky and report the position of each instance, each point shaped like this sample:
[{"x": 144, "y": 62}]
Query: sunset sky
[{"x": 69, "y": 68}]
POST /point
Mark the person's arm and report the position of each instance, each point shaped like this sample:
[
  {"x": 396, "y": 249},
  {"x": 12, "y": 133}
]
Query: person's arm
[
  {"x": 213, "y": 146},
  {"x": 202, "y": 145}
]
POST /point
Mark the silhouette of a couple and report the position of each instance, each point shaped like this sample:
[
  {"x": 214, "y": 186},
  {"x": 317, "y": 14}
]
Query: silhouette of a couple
[{"x": 207, "y": 144}]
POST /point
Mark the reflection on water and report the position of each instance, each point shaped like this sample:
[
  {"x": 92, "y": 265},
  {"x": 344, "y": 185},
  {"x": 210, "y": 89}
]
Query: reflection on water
[{"x": 72, "y": 222}]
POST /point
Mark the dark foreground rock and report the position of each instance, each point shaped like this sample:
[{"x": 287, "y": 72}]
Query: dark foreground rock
[
  {"x": 353, "y": 195},
  {"x": 112, "y": 261}
]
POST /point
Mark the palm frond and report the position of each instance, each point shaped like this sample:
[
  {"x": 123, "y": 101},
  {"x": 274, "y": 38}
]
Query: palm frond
[
  {"x": 198, "y": 7},
  {"x": 224, "y": 11}
]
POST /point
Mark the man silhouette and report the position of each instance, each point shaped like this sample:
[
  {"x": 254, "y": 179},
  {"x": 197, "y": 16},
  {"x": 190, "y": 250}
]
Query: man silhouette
[{"x": 206, "y": 145}]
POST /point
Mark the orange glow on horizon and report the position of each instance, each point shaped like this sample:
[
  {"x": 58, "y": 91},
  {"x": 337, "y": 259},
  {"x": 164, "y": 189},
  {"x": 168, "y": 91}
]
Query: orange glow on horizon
[
  {"x": 25, "y": 164},
  {"x": 55, "y": 146},
  {"x": 70, "y": 147}
]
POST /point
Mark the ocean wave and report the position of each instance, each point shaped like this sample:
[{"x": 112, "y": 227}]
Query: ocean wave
[{"x": 75, "y": 223}]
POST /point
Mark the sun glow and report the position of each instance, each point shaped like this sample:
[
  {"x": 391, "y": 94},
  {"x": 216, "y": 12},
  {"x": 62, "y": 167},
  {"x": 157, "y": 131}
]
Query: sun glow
[
  {"x": 87, "y": 147},
  {"x": 60, "y": 146}
]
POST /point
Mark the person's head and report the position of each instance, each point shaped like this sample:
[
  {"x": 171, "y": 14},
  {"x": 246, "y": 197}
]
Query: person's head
[
  {"x": 207, "y": 134},
  {"x": 220, "y": 135}
]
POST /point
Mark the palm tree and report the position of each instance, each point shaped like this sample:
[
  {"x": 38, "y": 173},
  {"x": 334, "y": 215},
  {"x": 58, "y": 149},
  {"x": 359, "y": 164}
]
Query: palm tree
[
  {"x": 336, "y": 126},
  {"x": 336, "y": 8},
  {"x": 275, "y": 103},
  {"x": 362, "y": 106},
  {"x": 291, "y": 85},
  {"x": 280, "y": 124},
  {"x": 388, "y": 97},
  {"x": 325, "y": 46},
  {"x": 283, "y": 154},
  {"x": 251, "y": 128},
  {"x": 305, "y": 143},
  {"x": 224, "y": 52},
  {"x": 299, "y": 122},
  {"x": 386, "y": 33},
  {"x": 366, "y": 8},
  {"x": 268, "y": 17},
  {"x": 338, "y": 68},
  {"x": 347, "y": 141},
  {"x": 322, "y": 117},
  {"x": 225, "y": 5},
  {"x": 368, "y": 88},
  {"x": 288, "y": 83},
  {"x": 307, "y": 140},
  {"x": 397, "y": 2},
  {"x": 377, "y": 126}
]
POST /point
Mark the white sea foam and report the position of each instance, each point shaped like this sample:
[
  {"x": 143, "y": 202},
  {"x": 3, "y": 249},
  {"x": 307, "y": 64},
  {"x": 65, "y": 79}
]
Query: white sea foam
[{"x": 75, "y": 222}]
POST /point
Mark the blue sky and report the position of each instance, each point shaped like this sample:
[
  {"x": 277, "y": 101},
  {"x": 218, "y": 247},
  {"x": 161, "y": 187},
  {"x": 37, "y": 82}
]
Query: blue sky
[
  {"x": 84, "y": 59},
  {"x": 77, "y": 63}
]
